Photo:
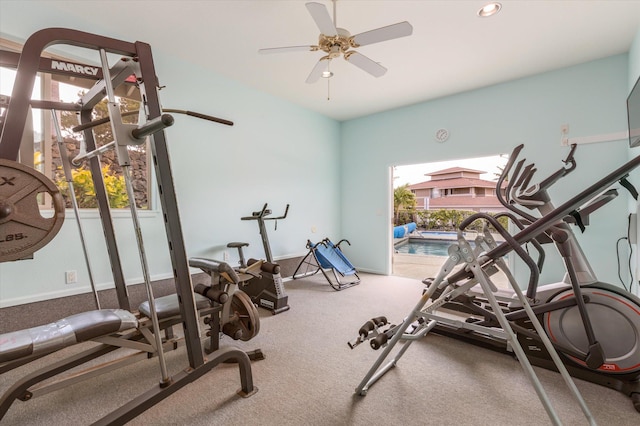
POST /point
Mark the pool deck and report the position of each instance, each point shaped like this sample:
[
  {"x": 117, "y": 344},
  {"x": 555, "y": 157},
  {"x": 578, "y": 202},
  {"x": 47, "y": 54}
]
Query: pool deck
[
  {"x": 416, "y": 266},
  {"x": 419, "y": 267}
]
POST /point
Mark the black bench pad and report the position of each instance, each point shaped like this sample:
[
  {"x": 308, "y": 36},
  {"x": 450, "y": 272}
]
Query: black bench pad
[
  {"x": 167, "y": 306},
  {"x": 65, "y": 332}
]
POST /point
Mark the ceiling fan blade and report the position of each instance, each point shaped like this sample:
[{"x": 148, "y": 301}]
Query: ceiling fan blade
[
  {"x": 287, "y": 49},
  {"x": 365, "y": 64},
  {"x": 321, "y": 16},
  {"x": 401, "y": 29},
  {"x": 317, "y": 70}
]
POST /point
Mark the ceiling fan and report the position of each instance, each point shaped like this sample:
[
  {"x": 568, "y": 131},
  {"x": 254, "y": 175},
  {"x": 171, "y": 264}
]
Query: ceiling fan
[{"x": 336, "y": 42}]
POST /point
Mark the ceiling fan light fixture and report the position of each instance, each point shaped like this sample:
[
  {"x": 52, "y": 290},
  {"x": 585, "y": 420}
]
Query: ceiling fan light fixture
[
  {"x": 489, "y": 9},
  {"x": 337, "y": 42},
  {"x": 327, "y": 73}
]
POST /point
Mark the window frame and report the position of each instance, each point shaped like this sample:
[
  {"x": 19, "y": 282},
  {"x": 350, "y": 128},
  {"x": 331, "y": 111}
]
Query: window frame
[{"x": 45, "y": 127}]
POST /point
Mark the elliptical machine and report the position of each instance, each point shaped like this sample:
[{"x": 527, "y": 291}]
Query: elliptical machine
[
  {"x": 267, "y": 289},
  {"x": 599, "y": 339},
  {"x": 579, "y": 326},
  {"x": 594, "y": 326}
]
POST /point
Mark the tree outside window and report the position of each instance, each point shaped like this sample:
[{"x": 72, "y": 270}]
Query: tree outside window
[
  {"x": 404, "y": 205},
  {"x": 112, "y": 172},
  {"x": 46, "y": 155}
]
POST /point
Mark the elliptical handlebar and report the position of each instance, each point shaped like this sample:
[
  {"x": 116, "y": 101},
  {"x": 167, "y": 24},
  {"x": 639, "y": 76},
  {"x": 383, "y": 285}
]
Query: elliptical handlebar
[
  {"x": 510, "y": 240},
  {"x": 503, "y": 176},
  {"x": 519, "y": 189},
  {"x": 570, "y": 165},
  {"x": 505, "y": 173},
  {"x": 535, "y": 194}
]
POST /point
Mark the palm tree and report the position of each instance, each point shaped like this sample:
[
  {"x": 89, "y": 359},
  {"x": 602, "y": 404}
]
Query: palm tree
[{"x": 403, "y": 198}]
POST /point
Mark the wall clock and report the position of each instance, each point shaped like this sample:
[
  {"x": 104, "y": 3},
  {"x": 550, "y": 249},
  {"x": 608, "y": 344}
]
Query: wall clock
[{"x": 442, "y": 135}]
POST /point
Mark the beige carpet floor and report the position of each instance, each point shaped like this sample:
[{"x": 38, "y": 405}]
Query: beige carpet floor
[{"x": 309, "y": 376}]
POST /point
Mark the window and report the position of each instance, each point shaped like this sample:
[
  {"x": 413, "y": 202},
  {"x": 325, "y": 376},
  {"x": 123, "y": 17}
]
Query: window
[{"x": 44, "y": 154}]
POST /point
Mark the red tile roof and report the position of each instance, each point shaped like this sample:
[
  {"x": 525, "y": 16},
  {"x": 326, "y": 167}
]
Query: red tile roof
[
  {"x": 456, "y": 183},
  {"x": 455, "y": 170}
]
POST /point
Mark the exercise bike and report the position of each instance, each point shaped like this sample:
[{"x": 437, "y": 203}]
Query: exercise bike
[
  {"x": 267, "y": 289},
  {"x": 592, "y": 327}
]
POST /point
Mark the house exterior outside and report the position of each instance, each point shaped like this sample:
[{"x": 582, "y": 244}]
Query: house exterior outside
[{"x": 459, "y": 189}]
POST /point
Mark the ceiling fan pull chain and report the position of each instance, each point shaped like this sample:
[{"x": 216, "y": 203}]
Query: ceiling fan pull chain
[{"x": 329, "y": 78}]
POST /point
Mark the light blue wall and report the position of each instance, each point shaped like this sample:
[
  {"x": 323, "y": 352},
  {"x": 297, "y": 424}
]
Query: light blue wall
[
  {"x": 276, "y": 152},
  {"x": 634, "y": 206},
  {"x": 335, "y": 176},
  {"x": 634, "y": 60},
  {"x": 590, "y": 98}
]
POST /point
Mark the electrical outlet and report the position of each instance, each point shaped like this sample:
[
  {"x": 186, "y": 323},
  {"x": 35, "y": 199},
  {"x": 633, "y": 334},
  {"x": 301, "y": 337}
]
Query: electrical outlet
[
  {"x": 314, "y": 229},
  {"x": 225, "y": 256},
  {"x": 71, "y": 277},
  {"x": 564, "y": 129}
]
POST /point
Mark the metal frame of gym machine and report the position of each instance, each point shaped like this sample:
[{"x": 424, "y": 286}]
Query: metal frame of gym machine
[
  {"x": 476, "y": 271},
  {"x": 136, "y": 57}
]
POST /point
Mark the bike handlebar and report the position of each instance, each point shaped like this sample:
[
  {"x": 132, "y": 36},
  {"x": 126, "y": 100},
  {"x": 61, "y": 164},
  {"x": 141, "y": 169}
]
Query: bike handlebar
[{"x": 262, "y": 214}]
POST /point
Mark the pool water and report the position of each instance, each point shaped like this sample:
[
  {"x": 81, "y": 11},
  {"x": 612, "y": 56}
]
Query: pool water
[
  {"x": 425, "y": 247},
  {"x": 440, "y": 235}
]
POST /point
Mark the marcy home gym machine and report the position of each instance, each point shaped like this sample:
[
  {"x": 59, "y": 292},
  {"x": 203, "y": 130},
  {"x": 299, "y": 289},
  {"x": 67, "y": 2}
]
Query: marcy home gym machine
[
  {"x": 147, "y": 330},
  {"x": 266, "y": 289},
  {"x": 580, "y": 326}
]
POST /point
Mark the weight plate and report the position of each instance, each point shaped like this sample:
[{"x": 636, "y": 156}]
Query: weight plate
[
  {"x": 246, "y": 313},
  {"x": 23, "y": 229},
  {"x": 616, "y": 325}
]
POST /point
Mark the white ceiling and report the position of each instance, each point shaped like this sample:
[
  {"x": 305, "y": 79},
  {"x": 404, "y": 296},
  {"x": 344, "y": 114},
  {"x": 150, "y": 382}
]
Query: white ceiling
[{"x": 451, "y": 50}]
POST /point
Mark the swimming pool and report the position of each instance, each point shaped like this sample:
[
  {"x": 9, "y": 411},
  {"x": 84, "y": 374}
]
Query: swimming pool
[
  {"x": 444, "y": 235},
  {"x": 424, "y": 247},
  {"x": 440, "y": 235}
]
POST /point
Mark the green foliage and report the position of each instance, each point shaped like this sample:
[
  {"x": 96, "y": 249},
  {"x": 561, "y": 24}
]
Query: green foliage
[
  {"x": 450, "y": 220},
  {"x": 403, "y": 197},
  {"x": 85, "y": 191},
  {"x": 113, "y": 174},
  {"x": 403, "y": 201},
  {"x": 405, "y": 216},
  {"x": 102, "y": 133}
]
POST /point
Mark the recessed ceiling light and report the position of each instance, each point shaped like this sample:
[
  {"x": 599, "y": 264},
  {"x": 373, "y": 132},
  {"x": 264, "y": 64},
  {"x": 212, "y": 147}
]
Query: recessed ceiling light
[{"x": 489, "y": 9}]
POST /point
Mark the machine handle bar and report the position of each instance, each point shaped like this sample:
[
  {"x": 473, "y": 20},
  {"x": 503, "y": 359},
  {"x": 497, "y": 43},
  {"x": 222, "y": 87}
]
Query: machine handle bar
[
  {"x": 570, "y": 165},
  {"x": 202, "y": 116},
  {"x": 152, "y": 126},
  {"x": 265, "y": 212},
  {"x": 94, "y": 123}
]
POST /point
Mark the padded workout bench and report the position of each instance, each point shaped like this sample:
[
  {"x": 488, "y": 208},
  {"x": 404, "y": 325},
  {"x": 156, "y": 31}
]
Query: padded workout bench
[
  {"x": 114, "y": 328},
  {"x": 38, "y": 341}
]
